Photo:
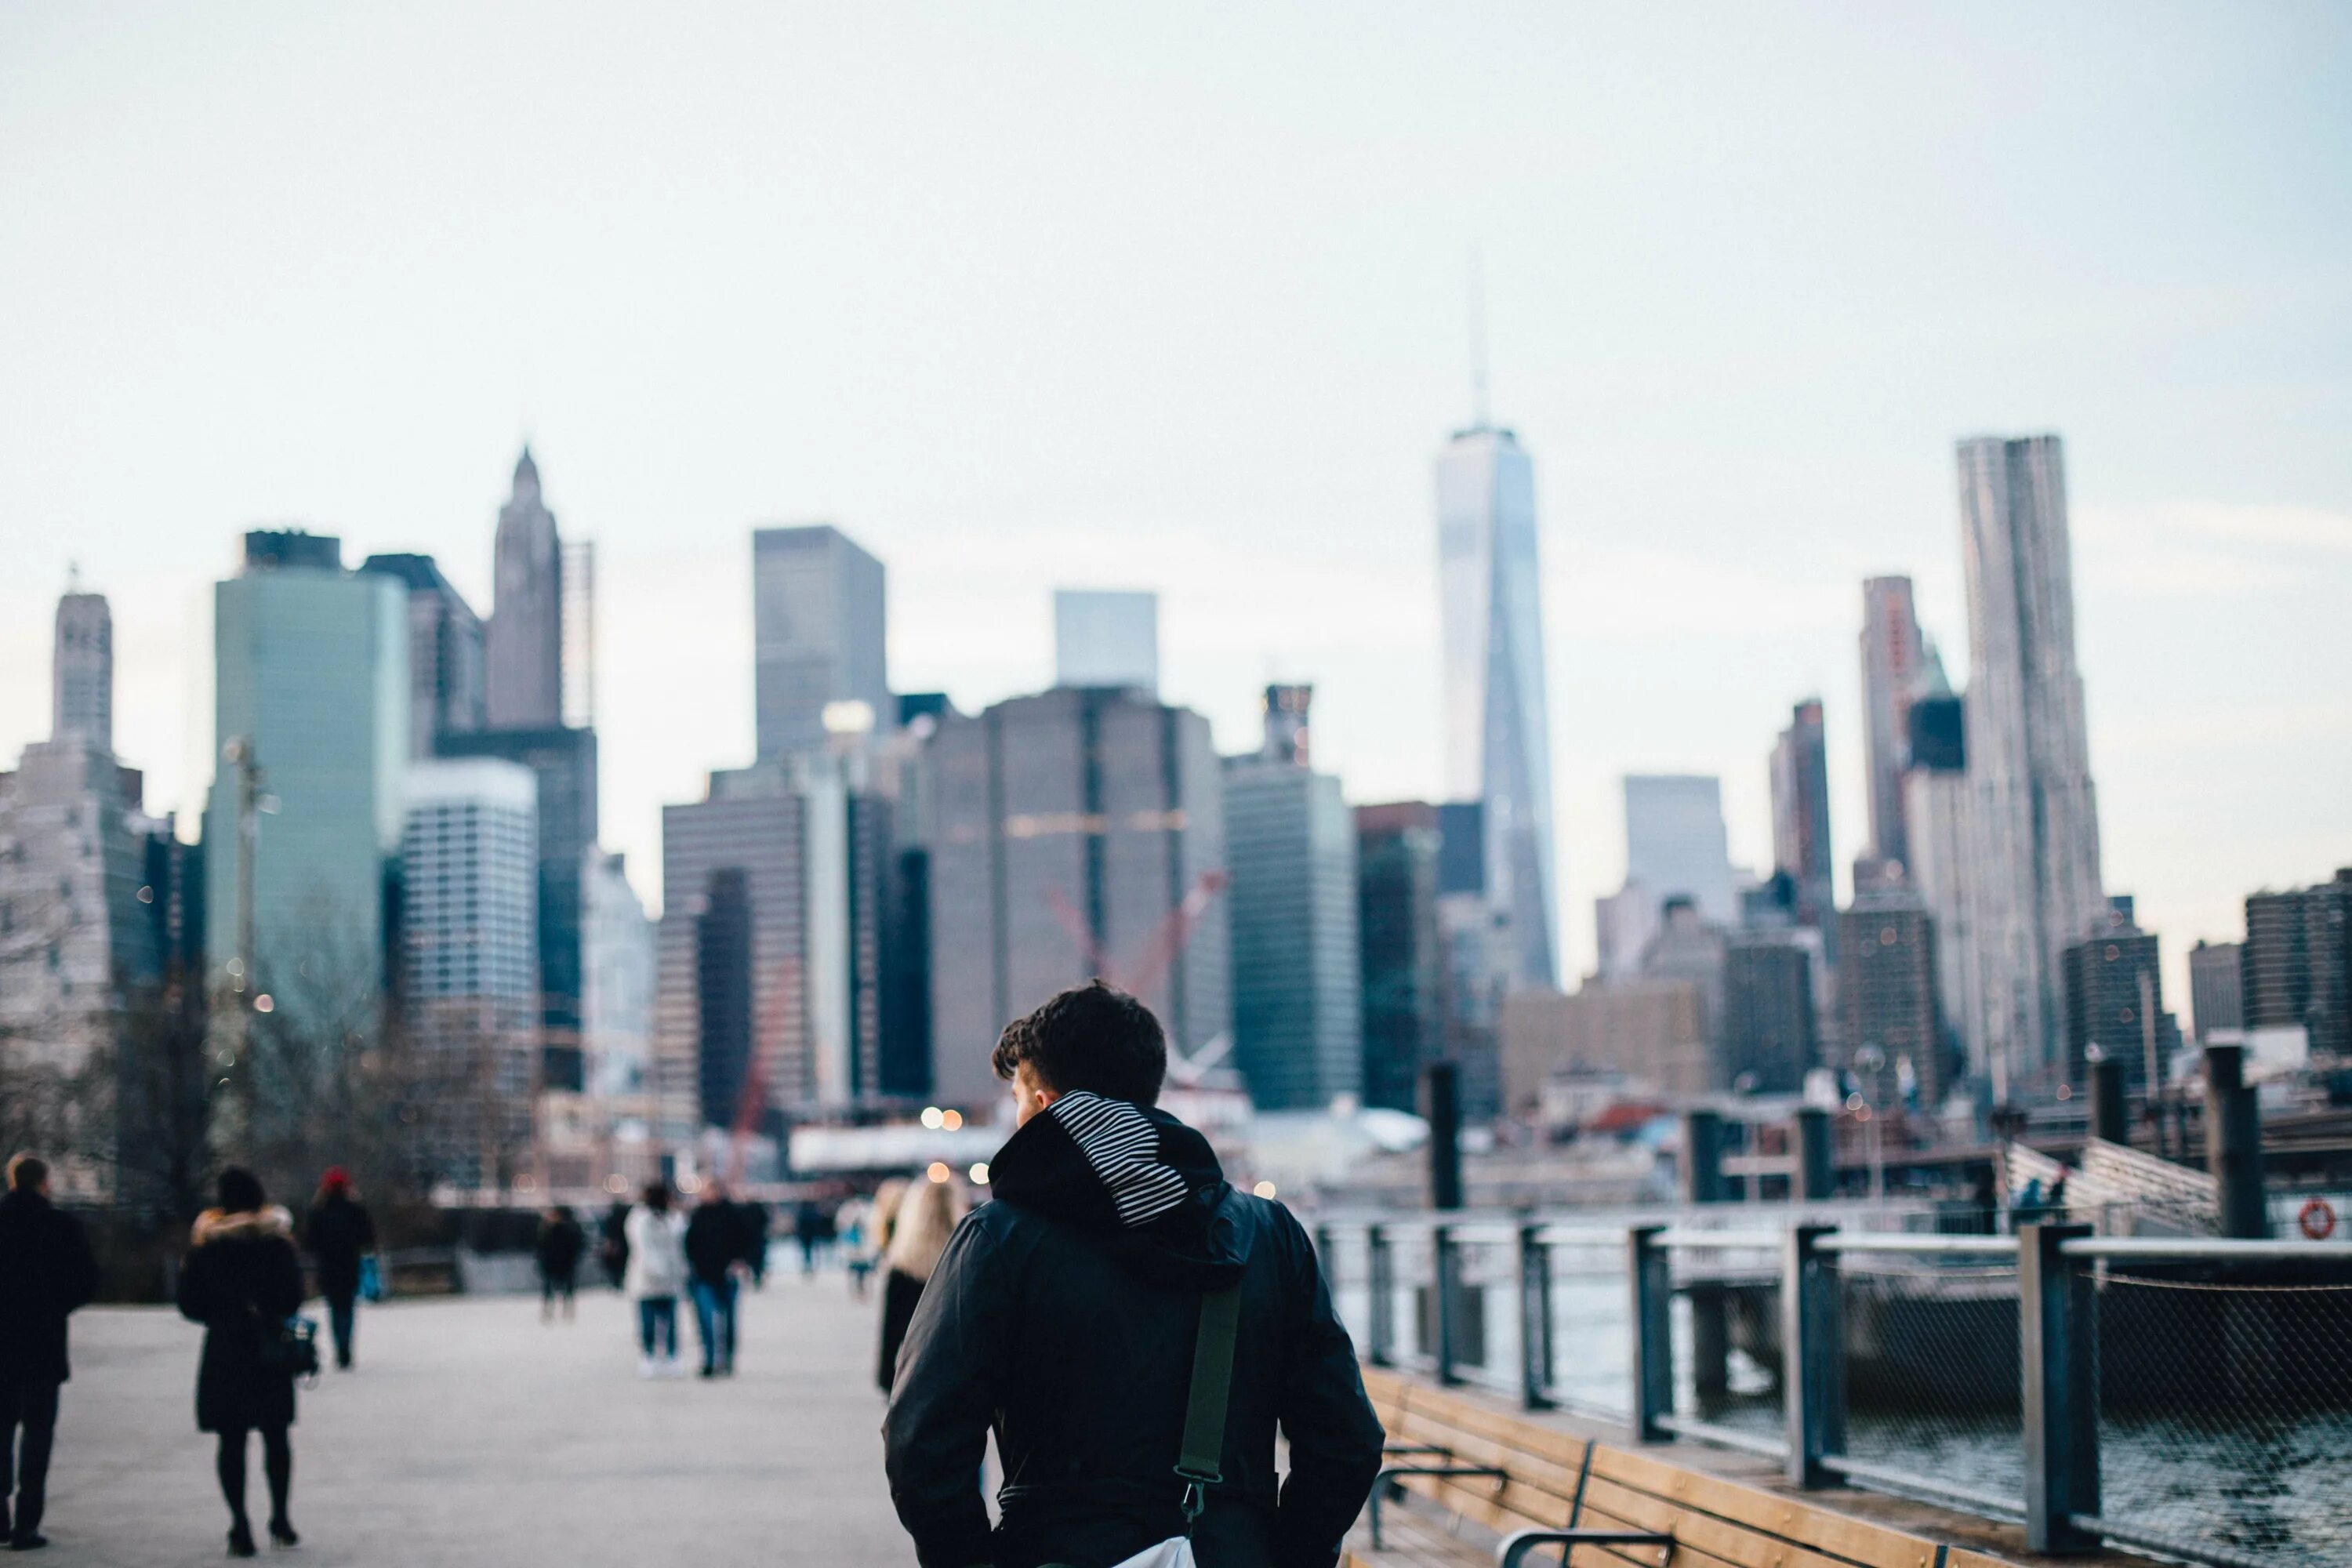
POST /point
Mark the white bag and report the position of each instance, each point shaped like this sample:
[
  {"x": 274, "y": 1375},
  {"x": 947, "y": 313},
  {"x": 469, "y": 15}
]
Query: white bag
[{"x": 1176, "y": 1553}]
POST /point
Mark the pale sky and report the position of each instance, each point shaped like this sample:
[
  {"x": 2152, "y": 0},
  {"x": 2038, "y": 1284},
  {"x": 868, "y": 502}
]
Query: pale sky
[{"x": 1022, "y": 296}]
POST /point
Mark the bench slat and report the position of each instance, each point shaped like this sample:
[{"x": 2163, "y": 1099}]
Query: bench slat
[{"x": 1858, "y": 1541}]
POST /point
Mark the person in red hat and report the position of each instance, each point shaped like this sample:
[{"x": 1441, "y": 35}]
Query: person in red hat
[{"x": 338, "y": 1234}]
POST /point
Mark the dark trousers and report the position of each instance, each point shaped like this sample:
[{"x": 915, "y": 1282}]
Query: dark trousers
[
  {"x": 32, "y": 1406},
  {"x": 658, "y": 1313},
  {"x": 714, "y": 1315},
  {"x": 340, "y": 1314}
]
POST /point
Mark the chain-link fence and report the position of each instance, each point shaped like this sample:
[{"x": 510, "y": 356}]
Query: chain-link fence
[
  {"x": 1728, "y": 1355},
  {"x": 1930, "y": 1375},
  {"x": 1590, "y": 1366},
  {"x": 2225, "y": 1410}
]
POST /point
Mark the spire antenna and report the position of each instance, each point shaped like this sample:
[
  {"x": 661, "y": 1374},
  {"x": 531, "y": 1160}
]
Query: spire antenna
[{"x": 1478, "y": 418}]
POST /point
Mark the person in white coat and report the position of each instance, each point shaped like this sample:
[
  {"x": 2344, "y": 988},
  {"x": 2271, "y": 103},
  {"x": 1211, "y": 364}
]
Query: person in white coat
[{"x": 657, "y": 1273}]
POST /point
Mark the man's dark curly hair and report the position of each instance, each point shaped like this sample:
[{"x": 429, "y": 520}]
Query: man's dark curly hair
[{"x": 1092, "y": 1037}]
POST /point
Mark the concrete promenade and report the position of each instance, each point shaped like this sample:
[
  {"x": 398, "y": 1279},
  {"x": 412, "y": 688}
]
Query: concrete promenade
[{"x": 472, "y": 1434}]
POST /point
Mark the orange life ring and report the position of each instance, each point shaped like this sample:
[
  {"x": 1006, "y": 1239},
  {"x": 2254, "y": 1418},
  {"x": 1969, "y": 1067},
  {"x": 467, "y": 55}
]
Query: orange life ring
[{"x": 2317, "y": 1219}]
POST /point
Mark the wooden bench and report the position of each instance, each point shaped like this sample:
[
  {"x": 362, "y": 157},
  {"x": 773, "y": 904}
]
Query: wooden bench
[{"x": 1515, "y": 1485}]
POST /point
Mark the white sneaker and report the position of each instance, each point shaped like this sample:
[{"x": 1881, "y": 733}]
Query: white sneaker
[
  {"x": 646, "y": 1367},
  {"x": 671, "y": 1368}
]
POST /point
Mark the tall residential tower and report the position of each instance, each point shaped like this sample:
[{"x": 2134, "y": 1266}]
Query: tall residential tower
[
  {"x": 524, "y": 640},
  {"x": 2034, "y": 820}
]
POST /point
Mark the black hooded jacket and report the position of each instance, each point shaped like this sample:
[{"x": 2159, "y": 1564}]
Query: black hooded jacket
[
  {"x": 1063, "y": 1316},
  {"x": 46, "y": 1271}
]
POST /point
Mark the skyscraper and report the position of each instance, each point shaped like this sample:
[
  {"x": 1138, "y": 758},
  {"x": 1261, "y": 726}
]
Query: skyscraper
[
  {"x": 2297, "y": 963},
  {"x": 2216, "y": 998},
  {"x": 818, "y": 607},
  {"x": 470, "y": 958},
  {"x": 1935, "y": 812},
  {"x": 1298, "y": 1001},
  {"x": 770, "y": 950},
  {"x": 1403, "y": 962},
  {"x": 1889, "y": 990},
  {"x": 78, "y": 942},
  {"x": 1075, "y": 833},
  {"x": 616, "y": 981},
  {"x": 1894, "y": 672},
  {"x": 2115, "y": 1005},
  {"x": 524, "y": 644},
  {"x": 444, "y": 652},
  {"x": 310, "y": 688},
  {"x": 1106, "y": 638},
  {"x": 1800, "y": 817},
  {"x": 1497, "y": 724},
  {"x": 1675, "y": 845},
  {"x": 1769, "y": 1037},
  {"x": 83, "y": 677},
  {"x": 2034, "y": 822}
]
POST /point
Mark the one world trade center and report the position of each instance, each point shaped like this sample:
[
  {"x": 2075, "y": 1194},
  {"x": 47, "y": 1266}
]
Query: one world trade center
[{"x": 1497, "y": 734}]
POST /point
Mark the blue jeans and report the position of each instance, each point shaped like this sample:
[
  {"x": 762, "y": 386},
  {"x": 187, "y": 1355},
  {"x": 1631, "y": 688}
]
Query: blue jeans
[
  {"x": 658, "y": 1312},
  {"x": 714, "y": 1315}
]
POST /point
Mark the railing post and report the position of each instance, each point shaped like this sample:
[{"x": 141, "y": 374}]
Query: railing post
[
  {"x": 1380, "y": 1273},
  {"x": 2058, "y": 1334},
  {"x": 1535, "y": 1318},
  {"x": 1651, "y": 1269},
  {"x": 1445, "y": 1285},
  {"x": 1812, "y": 1355}
]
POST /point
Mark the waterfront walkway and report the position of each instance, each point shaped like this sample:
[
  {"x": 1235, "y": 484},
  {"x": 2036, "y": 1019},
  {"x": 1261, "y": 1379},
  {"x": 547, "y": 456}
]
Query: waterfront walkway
[{"x": 472, "y": 1434}]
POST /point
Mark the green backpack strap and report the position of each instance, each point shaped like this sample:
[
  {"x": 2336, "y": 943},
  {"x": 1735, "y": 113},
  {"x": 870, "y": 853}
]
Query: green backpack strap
[{"x": 1204, "y": 1412}]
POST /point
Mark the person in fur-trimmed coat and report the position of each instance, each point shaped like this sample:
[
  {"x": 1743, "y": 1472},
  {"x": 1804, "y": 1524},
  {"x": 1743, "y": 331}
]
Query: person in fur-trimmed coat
[{"x": 241, "y": 1279}]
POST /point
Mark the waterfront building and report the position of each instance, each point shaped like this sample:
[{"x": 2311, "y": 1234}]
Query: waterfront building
[
  {"x": 818, "y": 621},
  {"x": 1801, "y": 819},
  {"x": 563, "y": 763},
  {"x": 1891, "y": 994},
  {"x": 1297, "y": 977},
  {"x": 445, "y": 694},
  {"x": 1403, "y": 959},
  {"x": 523, "y": 644},
  {"x": 1077, "y": 832},
  {"x": 311, "y": 734},
  {"x": 579, "y": 636},
  {"x": 1106, "y": 638},
  {"x": 1497, "y": 723},
  {"x": 2034, "y": 828},
  {"x": 2297, "y": 964},
  {"x": 2115, "y": 1005},
  {"x": 1654, "y": 1034},
  {"x": 1893, "y": 674},
  {"x": 1768, "y": 1039},
  {"x": 2216, "y": 998},
  {"x": 770, "y": 953}
]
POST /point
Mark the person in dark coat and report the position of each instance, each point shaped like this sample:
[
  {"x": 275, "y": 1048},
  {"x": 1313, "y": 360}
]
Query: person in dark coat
[
  {"x": 46, "y": 1271},
  {"x": 1064, "y": 1315},
  {"x": 241, "y": 1279},
  {"x": 613, "y": 1251},
  {"x": 714, "y": 1252},
  {"x": 925, "y": 1219},
  {"x": 560, "y": 1243},
  {"x": 339, "y": 1233}
]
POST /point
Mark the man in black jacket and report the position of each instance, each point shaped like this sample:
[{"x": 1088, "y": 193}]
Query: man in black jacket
[
  {"x": 1064, "y": 1313},
  {"x": 46, "y": 1269}
]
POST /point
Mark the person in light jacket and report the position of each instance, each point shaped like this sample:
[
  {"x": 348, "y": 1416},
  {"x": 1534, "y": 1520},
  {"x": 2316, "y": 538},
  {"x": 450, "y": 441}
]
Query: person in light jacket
[
  {"x": 241, "y": 1279},
  {"x": 926, "y": 1217},
  {"x": 657, "y": 1273}
]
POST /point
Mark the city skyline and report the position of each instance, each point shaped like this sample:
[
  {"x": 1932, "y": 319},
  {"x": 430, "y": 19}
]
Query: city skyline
[{"x": 1278, "y": 496}]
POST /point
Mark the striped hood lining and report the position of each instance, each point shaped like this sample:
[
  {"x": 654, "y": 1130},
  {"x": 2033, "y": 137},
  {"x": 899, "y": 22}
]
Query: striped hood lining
[{"x": 1123, "y": 1146}]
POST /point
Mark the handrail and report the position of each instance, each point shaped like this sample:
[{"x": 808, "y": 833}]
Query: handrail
[
  {"x": 2207, "y": 1248},
  {"x": 1518, "y": 1544},
  {"x": 1923, "y": 1245},
  {"x": 1390, "y": 1472},
  {"x": 1728, "y": 1240}
]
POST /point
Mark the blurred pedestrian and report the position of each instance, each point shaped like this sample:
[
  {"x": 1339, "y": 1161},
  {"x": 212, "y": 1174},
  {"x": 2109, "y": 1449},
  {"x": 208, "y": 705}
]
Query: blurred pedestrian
[
  {"x": 808, "y": 1222},
  {"x": 926, "y": 1216},
  {"x": 340, "y": 1233},
  {"x": 657, "y": 1273},
  {"x": 46, "y": 1271},
  {"x": 612, "y": 1248},
  {"x": 243, "y": 1281},
  {"x": 851, "y": 1219},
  {"x": 714, "y": 1258},
  {"x": 560, "y": 1244},
  {"x": 754, "y": 1214}
]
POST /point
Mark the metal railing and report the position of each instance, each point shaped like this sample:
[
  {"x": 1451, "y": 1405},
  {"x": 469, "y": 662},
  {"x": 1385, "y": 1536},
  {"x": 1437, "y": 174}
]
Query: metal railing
[{"x": 1966, "y": 1371}]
